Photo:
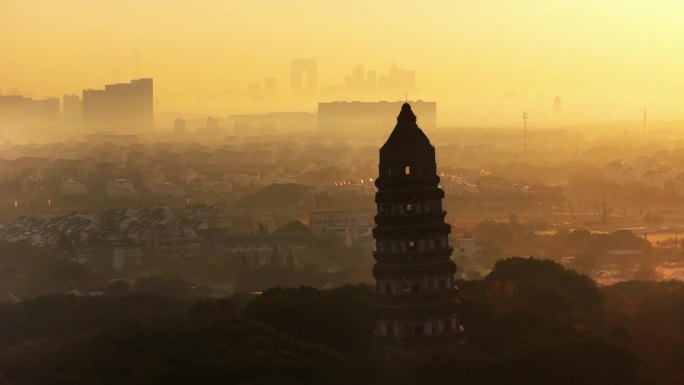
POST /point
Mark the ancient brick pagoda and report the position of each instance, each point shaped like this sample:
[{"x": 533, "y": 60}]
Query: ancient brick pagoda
[{"x": 414, "y": 273}]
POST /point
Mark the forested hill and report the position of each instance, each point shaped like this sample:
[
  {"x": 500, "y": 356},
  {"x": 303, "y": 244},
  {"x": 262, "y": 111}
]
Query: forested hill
[{"x": 527, "y": 322}]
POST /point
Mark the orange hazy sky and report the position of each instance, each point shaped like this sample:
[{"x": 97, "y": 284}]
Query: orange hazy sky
[{"x": 621, "y": 55}]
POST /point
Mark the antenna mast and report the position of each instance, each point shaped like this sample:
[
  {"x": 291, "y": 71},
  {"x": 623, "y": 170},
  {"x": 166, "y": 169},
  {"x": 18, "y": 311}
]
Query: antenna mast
[{"x": 644, "y": 122}]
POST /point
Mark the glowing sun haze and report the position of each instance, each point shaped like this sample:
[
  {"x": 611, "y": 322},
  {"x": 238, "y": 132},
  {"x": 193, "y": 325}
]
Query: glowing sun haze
[{"x": 622, "y": 55}]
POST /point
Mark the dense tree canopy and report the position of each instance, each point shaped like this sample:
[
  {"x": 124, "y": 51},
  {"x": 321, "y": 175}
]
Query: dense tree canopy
[
  {"x": 340, "y": 318},
  {"x": 529, "y": 322}
]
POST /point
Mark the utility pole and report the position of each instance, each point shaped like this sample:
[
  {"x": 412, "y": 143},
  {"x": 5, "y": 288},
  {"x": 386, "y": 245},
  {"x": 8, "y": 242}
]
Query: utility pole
[
  {"x": 676, "y": 241},
  {"x": 524, "y": 132}
]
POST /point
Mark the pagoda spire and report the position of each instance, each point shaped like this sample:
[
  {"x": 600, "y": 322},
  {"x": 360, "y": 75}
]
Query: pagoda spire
[
  {"x": 414, "y": 273},
  {"x": 406, "y": 114}
]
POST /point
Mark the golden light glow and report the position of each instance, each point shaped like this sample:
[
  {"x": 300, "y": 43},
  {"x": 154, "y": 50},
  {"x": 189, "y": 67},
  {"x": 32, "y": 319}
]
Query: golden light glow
[{"x": 483, "y": 61}]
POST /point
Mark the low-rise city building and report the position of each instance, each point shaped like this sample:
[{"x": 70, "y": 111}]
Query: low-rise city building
[
  {"x": 174, "y": 242},
  {"x": 341, "y": 222},
  {"x": 120, "y": 187},
  {"x": 72, "y": 187}
]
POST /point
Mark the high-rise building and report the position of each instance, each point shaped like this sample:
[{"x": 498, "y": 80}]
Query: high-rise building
[
  {"x": 270, "y": 86},
  {"x": 398, "y": 79},
  {"x": 51, "y": 106},
  {"x": 72, "y": 107},
  {"x": 121, "y": 106},
  {"x": 414, "y": 273},
  {"x": 20, "y": 108},
  {"x": 557, "y": 104},
  {"x": 90, "y": 105},
  {"x": 357, "y": 80},
  {"x": 304, "y": 79}
]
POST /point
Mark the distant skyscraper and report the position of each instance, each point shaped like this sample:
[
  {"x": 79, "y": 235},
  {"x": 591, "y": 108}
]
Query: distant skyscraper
[
  {"x": 357, "y": 80},
  {"x": 557, "y": 104},
  {"x": 644, "y": 122},
  {"x": 72, "y": 108},
  {"x": 414, "y": 273},
  {"x": 121, "y": 106},
  {"x": 19, "y": 108},
  {"x": 399, "y": 79},
  {"x": 90, "y": 105},
  {"x": 304, "y": 76},
  {"x": 270, "y": 86},
  {"x": 51, "y": 107}
]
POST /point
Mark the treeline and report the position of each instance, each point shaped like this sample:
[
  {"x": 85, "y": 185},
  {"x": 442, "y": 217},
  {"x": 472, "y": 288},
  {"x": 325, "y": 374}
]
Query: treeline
[
  {"x": 528, "y": 322},
  {"x": 499, "y": 239},
  {"x": 27, "y": 271}
]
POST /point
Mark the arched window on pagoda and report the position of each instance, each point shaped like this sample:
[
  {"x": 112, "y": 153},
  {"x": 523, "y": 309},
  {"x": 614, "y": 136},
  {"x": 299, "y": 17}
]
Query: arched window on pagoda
[
  {"x": 444, "y": 242},
  {"x": 428, "y": 327}
]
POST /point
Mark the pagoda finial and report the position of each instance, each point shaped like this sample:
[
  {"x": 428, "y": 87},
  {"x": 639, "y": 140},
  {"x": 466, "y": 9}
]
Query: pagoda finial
[{"x": 406, "y": 114}]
